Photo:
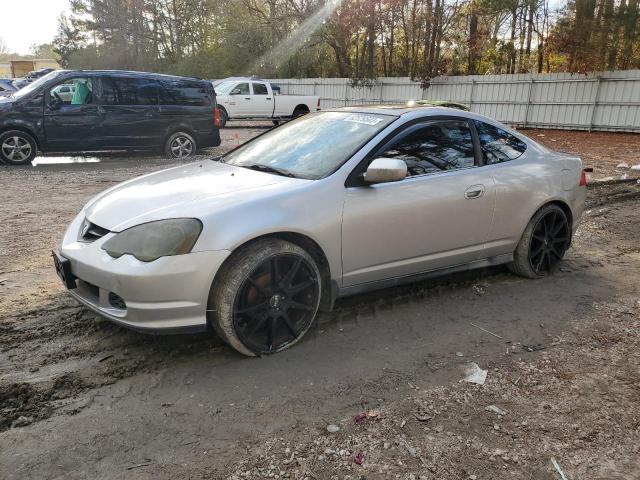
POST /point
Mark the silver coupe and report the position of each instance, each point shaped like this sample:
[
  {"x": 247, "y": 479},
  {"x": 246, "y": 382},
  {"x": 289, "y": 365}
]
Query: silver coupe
[{"x": 334, "y": 203}]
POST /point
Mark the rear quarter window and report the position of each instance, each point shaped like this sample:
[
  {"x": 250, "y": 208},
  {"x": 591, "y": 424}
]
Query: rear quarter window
[
  {"x": 498, "y": 145},
  {"x": 185, "y": 93}
]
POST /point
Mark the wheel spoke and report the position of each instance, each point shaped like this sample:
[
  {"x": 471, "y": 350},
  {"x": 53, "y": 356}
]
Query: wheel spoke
[
  {"x": 296, "y": 289},
  {"x": 288, "y": 325},
  {"x": 563, "y": 238},
  {"x": 535, "y": 252},
  {"x": 300, "y": 306},
  {"x": 259, "y": 324},
  {"x": 271, "y": 333},
  {"x": 253, "y": 308},
  {"x": 539, "y": 264},
  {"x": 555, "y": 251},
  {"x": 291, "y": 274},
  {"x": 558, "y": 228}
]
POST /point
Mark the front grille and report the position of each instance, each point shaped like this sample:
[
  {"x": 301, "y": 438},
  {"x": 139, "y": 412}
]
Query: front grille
[{"x": 90, "y": 232}]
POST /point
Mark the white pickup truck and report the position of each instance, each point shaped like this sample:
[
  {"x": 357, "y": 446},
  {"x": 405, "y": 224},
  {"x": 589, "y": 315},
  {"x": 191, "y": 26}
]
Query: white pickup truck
[{"x": 255, "y": 99}]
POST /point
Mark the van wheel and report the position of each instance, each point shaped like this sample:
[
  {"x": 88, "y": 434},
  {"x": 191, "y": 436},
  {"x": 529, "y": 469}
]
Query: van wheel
[
  {"x": 17, "y": 148},
  {"x": 180, "y": 145},
  {"x": 266, "y": 297}
]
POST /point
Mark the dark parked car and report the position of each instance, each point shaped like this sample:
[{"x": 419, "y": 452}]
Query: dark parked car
[
  {"x": 108, "y": 110},
  {"x": 6, "y": 87}
]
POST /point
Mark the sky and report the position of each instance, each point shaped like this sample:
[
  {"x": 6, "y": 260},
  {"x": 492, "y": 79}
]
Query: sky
[{"x": 40, "y": 27}]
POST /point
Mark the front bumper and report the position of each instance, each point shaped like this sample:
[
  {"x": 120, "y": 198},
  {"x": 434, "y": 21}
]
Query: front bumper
[{"x": 168, "y": 295}]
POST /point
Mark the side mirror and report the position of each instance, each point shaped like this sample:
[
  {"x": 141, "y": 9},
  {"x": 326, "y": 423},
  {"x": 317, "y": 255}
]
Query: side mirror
[
  {"x": 383, "y": 170},
  {"x": 235, "y": 91}
]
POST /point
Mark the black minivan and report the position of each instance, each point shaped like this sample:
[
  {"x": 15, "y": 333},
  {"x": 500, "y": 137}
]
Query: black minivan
[{"x": 88, "y": 110}]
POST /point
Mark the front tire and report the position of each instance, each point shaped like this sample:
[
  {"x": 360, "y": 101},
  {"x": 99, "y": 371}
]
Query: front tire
[
  {"x": 17, "y": 147},
  {"x": 543, "y": 243},
  {"x": 266, "y": 297},
  {"x": 223, "y": 117},
  {"x": 180, "y": 145}
]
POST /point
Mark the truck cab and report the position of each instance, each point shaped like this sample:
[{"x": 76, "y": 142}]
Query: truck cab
[{"x": 257, "y": 99}]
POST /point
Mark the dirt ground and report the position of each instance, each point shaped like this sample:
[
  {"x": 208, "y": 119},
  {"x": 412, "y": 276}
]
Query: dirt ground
[{"x": 374, "y": 391}]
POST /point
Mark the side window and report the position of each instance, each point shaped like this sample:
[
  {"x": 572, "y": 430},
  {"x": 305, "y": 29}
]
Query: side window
[
  {"x": 72, "y": 92},
  {"x": 435, "y": 147},
  {"x": 184, "y": 93},
  {"x": 497, "y": 145},
  {"x": 129, "y": 91},
  {"x": 240, "y": 89},
  {"x": 259, "y": 89}
]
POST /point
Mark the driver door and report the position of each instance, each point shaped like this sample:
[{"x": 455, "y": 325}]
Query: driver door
[
  {"x": 241, "y": 100},
  {"x": 72, "y": 124},
  {"x": 438, "y": 216}
]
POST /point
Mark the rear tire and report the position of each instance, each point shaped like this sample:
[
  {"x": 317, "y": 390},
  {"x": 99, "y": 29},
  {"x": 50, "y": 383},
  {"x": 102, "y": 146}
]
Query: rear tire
[
  {"x": 543, "y": 243},
  {"x": 265, "y": 298},
  {"x": 180, "y": 145},
  {"x": 17, "y": 147},
  {"x": 299, "y": 111}
]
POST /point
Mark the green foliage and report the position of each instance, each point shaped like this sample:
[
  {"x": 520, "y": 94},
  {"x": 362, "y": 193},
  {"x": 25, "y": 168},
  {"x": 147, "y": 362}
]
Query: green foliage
[{"x": 359, "y": 39}]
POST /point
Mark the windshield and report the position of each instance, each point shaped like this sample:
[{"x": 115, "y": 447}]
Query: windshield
[
  {"x": 27, "y": 89},
  {"x": 312, "y": 146},
  {"x": 224, "y": 87}
]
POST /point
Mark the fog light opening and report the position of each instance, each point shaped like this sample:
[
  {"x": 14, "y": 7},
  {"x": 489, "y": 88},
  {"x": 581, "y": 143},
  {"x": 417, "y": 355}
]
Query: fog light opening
[{"x": 116, "y": 301}]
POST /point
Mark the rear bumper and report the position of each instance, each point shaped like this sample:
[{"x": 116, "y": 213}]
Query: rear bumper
[
  {"x": 209, "y": 139},
  {"x": 167, "y": 295}
]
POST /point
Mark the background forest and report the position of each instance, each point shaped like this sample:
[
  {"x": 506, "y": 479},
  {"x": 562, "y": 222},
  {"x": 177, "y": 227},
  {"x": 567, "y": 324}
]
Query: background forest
[{"x": 360, "y": 39}]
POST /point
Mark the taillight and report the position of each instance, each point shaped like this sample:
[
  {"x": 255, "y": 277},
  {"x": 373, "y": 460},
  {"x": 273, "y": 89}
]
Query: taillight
[
  {"x": 318, "y": 106},
  {"x": 216, "y": 117},
  {"x": 583, "y": 179}
]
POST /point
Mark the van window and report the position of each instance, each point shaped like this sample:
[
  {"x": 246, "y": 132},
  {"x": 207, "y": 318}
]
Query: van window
[
  {"x": 186, "y": 93},
  {"x": 129, "y": 91},
  {"x": 73, "y": 92}
]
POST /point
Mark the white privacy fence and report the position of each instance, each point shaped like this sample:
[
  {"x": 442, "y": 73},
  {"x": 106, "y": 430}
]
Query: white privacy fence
[{"x": 607, "y": 101}]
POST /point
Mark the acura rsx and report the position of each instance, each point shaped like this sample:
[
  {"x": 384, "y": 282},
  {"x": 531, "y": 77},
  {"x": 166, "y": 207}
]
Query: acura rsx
[{"x": 334, "y": 203}]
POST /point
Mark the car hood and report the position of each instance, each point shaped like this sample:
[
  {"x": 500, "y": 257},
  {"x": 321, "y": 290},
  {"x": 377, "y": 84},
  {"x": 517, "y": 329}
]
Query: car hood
[{"x": 193, "y": 190}]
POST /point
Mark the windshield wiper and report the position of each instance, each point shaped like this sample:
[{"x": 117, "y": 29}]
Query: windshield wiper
[{"x": 267, "y": 169}]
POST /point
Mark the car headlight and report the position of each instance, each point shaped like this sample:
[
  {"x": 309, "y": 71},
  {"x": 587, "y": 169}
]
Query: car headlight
[{"x": 150, "y": 241}]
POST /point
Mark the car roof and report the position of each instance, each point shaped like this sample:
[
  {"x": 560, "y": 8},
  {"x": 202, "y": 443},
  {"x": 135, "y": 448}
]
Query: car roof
[
  {"x": 132, "y": 73},
  {"x": 398, "y": 109}
]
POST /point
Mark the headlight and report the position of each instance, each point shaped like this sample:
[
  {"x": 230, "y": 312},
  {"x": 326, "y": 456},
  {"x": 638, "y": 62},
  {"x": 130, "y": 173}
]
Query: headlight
[{"x": 150, "y": 241}]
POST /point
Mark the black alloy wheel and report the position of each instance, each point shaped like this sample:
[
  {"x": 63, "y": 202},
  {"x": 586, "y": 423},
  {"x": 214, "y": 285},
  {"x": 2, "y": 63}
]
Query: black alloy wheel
[
  {"x": 276, "y": 303},
  {"x": 549, "y": 242}
]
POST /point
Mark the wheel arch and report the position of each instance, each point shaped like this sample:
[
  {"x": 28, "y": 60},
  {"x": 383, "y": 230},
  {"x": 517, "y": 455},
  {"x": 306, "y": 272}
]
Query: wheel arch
[
  {"x": 24, "y": 129},
  {"x": 563, "y": 205},
  {"x": 301, "y": 107},
  {"x": 329, "y": 287}
]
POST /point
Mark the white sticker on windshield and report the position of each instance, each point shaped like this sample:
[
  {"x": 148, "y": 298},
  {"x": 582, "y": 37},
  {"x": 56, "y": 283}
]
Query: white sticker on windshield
[{"x": 365, "y": 119}]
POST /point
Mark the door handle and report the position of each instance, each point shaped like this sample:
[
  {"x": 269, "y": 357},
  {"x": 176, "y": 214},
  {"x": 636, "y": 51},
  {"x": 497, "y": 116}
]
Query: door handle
[
  {"x": 247, "y": 98},
  {"x": 267, "y": 98},
  {"x": 474, "y": 191}
]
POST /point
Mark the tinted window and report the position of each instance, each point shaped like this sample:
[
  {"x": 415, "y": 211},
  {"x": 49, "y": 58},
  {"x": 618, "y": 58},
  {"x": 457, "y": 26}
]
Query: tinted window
[
  {"x": 260, "y": 89},
  {"x": 434, "y": 148},
  {"x": 184, "y": 93},
  {"x": 240, "y": 89},
  {"x": 498, "y": 145},
  {"x": 129, "y": 91}
]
